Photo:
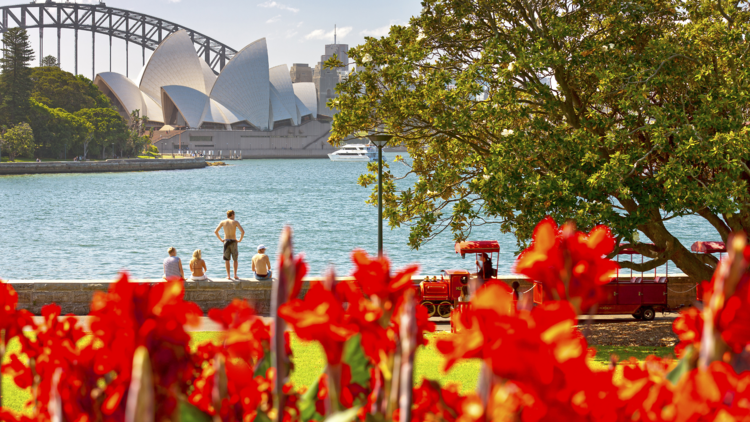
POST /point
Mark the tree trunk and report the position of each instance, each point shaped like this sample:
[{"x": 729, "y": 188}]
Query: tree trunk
[{"x": 683, "y": 258}]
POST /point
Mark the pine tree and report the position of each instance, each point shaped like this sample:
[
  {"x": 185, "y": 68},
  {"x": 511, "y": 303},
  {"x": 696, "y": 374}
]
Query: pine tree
[{"x": 15, "y": 85}]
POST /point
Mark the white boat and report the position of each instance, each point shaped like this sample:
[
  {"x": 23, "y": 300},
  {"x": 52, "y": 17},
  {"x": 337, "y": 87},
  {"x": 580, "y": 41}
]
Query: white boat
[{"x": 355, "y": 152}]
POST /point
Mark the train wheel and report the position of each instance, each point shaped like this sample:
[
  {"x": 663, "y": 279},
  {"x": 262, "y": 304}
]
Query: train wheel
[
  {"x": 638, "y": 314},
  {"x": 649, "y": 314},
  {"x": 430, "y": 307},
  {"x": 444, "y": 309}
]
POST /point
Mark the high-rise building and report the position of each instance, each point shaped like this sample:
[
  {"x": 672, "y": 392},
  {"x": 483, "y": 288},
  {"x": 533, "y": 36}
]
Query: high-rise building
[
  {"x": 326, "y": 79},
  {"x": 301, "y": 72}
]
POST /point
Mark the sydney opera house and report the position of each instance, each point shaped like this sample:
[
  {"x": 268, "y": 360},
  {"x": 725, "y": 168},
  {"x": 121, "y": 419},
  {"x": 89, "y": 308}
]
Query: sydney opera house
[{"x": 248, "y": 108}]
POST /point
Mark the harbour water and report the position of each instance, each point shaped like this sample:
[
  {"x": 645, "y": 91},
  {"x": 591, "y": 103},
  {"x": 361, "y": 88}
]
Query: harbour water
[{"x": 91, "y": 226}]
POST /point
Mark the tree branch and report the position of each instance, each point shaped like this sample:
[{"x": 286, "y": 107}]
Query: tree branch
[
  {"x": 723, "y": 13},
  {"x": 715, "y": 221},
  {"x": 646, "y": 266},
  {"x": 638, "y": 162},
  {"x": 674, "y": 56},
  {"x": 707, "y": 259}
]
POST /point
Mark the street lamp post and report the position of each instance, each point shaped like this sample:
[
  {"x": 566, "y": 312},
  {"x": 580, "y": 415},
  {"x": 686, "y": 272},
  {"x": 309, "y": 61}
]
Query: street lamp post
[{"x": 380, "y": 141}]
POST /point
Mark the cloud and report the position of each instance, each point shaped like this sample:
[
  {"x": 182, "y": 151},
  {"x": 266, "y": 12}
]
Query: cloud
[
  {"x": 290, "y": 33},
  {"x": 377, "y": 32},
  {"x": 275, "y": 5},
  {"x": 321, "y": 34},
  {"x": 272, "y": 20}
]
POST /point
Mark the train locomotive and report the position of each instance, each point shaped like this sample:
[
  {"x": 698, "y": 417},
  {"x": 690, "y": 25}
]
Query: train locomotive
[{"x": 439, "y": 294}]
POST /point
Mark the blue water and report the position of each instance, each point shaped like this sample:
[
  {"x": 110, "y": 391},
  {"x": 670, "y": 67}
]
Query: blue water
[{"x": 91, "y": 226}]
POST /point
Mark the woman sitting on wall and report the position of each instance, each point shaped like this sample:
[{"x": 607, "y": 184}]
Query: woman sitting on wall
[{"x": 197, "y": 267}]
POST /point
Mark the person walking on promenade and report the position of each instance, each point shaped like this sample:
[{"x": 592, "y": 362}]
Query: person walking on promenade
[
  {"x": 173, "y": 265},
  {"x": 230, "y": 241},
  {"x": 261, "y": 264},
  {"x": 197, "y": 267}
]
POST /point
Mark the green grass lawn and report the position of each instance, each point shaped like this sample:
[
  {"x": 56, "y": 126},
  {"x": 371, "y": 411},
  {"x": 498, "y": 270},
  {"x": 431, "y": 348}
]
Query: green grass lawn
[{"x": 309, "y": 361}]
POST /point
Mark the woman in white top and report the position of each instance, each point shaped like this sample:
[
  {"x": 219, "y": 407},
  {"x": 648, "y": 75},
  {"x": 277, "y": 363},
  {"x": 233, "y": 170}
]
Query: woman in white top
[{"x": 197, "y": 267}]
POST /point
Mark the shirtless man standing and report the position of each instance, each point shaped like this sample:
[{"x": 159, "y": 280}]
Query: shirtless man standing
[{"x": 230, "y": 240}]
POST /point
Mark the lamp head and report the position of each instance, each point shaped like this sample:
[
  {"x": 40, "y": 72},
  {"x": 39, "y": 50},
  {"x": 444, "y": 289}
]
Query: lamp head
[{"x": 380, "y": 140}]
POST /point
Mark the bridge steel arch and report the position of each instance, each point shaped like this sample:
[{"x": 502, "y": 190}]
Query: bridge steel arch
[{"x": 137, "y": 28}]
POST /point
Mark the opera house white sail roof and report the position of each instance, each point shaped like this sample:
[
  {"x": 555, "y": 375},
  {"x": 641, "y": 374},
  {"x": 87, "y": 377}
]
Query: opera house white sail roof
[{"x": 178, "y": 88}]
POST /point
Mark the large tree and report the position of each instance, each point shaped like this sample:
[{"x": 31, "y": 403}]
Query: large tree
[
  {"x": 57, "y": 88},
  {"x": 15, "y": 84},
  {"x": 625, "y": 113},
  {"x": 107, "y": 128},
  {"x": 56, "y": 131},
  {"x": 18, "y": 141}
]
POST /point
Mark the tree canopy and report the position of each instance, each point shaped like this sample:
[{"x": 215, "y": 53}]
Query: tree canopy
[
  {"x": 18, "y": 141},
  {"x": 107, "y": 127},
  {"x": 15, "y": 83},
  {"x": 57, "y": 88},
  {"x": 56, "y": 131},
  {"x": 624, "y": 113},
  {"x": 50, "y": 61}
]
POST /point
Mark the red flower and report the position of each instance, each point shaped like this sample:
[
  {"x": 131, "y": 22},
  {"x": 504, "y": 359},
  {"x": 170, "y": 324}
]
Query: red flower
[
  {"x": 54, "y": 350},
  {"x": 319, "y": 316},
  {"x": 20, "y": 372},
  {"x": 374, "y": 278},
  {"x": 138, "y": 314},
  {"x": 688, "y": 327},
  {"x": 645, "y": 390},
  {"x": 569, "y": 265},
  {"x": 733, "y": 320},
  {"x": 477, "y": 325},
  {"x": 12, "y": 320},
  {"x": 300, "y": 270},
  {"x": 717, "y": 393},
  {"x": 245, "y": 335}
]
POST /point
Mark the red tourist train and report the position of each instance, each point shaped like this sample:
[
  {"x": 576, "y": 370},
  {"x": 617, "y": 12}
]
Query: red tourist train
[
  {"x": 641, "y": 296},
  {"x": 439, "y": 295}
]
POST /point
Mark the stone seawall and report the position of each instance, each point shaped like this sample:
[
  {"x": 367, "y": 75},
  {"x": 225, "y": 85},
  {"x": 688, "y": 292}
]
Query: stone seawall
[
  {"x": 101, "y": 166},
  {"x": 75, "y": 296}
]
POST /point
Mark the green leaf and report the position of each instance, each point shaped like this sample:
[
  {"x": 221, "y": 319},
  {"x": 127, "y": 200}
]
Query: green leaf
[
  {"x": 261, "y": 417},
  {"x": 355, "y": 357},
  {"x": 190, "y": 413},
  {"x": 307, "y": 404},
  {"x": 263, "y": 365},
  {"x": 374, "y": 417},
  {"x": 682, "y": 368},
  {"x": 347, "y": 415}
]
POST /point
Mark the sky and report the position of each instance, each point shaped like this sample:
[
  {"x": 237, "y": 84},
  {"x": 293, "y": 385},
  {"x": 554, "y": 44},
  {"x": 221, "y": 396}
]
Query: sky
[{"x": 296, "y": 31}]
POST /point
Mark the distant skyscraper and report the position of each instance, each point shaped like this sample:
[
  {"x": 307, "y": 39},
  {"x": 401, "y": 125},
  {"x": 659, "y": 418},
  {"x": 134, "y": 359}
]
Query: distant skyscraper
[
  {"x": 301, "y": 72},
  {"x": 326, "y": 79}
]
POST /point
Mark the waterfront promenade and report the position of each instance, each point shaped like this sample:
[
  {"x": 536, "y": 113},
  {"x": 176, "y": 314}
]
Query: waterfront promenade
[
  {"x": 74, "y": 296},
  {"x": 108, "y": 166}
]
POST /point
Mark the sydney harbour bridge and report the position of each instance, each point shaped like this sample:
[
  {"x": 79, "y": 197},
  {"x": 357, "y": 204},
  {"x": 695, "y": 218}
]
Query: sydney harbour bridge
[{"x": 137, "y": 28}]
